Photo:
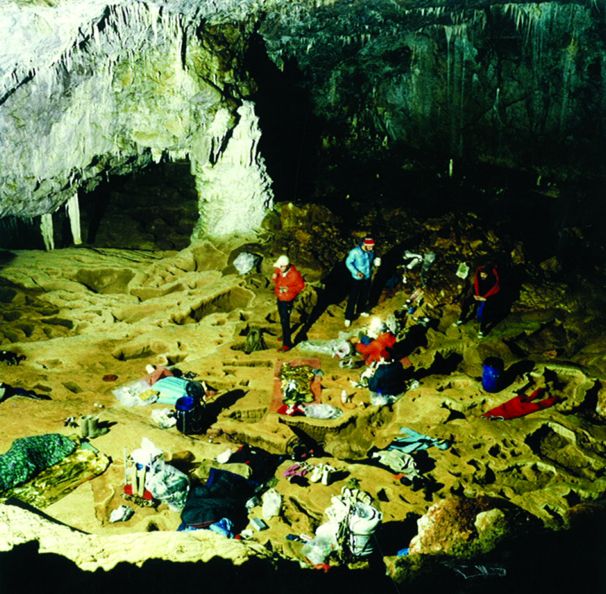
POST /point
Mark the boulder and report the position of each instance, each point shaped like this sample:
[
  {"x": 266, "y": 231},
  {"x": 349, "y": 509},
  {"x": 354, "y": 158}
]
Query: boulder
[{"x": 463, "y": 527}]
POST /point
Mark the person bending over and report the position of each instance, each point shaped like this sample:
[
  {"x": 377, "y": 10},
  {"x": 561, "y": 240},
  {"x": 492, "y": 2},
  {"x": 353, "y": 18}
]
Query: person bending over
[{"x": 480, "y": 297}]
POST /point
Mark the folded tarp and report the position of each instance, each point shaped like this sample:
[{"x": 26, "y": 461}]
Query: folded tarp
[
  {"x": 413, "y": 441},
  {"x": 56, "y": 481}
]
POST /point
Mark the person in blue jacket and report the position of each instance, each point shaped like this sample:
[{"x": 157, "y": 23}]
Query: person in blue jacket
[{"x": 360, "y": 262}]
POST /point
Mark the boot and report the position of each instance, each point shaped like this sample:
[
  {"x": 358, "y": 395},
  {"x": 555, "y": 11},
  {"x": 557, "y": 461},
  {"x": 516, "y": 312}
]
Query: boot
[
  {"x": 316, "y": 473},
  {"x": 94, "y": 429},
  {"x": 326, "y": 474},
  {"x": 93, "y": 426},
  {"x": 84, "y": 426}
]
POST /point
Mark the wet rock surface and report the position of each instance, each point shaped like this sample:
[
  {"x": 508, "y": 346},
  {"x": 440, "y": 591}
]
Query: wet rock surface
[{"x": 89, "y": 320}]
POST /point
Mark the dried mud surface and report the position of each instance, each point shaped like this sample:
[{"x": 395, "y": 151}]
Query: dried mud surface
[{"x": 80, "y": 314}]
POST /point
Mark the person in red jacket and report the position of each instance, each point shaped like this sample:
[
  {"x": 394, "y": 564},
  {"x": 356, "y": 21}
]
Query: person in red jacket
[
  {"x": 377, "y": 349},
  {"x": 288, "y": 283},
  {"x": 480, "y": 297}
]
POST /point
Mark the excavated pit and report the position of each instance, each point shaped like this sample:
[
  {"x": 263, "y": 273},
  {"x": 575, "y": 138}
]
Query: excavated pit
[{"x": 175, "y": 308}]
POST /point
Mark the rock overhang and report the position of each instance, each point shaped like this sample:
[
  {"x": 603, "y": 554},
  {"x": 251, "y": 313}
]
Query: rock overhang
[{"x": 440, "y": 78}]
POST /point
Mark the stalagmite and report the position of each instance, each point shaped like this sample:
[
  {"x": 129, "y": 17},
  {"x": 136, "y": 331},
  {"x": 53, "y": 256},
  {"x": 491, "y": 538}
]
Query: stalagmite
[
  {"x": 46, "y": 228},
  {"x": 233, "y": 186},
  {"x": 72, "y": 207}
]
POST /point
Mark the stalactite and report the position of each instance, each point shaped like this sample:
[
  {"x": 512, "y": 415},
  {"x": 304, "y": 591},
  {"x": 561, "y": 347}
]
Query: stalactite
[
  {"x": 458, "y": 51},
  {"x": 72, "y": 206},
  {"x": 46, "y": 228},
  {"x": 537, "y": 24},
  {"x": 568, "y": 71}
]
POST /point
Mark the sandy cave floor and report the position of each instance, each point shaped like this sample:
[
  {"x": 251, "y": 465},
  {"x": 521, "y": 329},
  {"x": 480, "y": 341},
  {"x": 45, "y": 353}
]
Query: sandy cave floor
[{"x": 80, "y": 314}]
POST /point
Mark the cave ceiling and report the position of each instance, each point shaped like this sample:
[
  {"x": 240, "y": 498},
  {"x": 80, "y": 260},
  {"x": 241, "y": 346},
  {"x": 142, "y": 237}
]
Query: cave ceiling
[{"x": 90, "y": 89}]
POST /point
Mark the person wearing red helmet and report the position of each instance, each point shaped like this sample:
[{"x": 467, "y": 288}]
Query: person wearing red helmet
[{"x": 360, "y": 262}]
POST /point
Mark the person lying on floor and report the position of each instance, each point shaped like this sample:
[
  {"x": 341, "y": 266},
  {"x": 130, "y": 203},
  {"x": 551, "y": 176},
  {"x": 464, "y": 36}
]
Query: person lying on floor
[
  {"x": 156, "y": 372},
  {"x": 199, "y": 389}
]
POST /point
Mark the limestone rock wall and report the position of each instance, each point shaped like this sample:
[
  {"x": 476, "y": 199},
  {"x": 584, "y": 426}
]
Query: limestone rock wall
[
  {"x": 237, "y": 171},
  {"x": 90, "y": 89},
  {"x": 513, "y": 84},
  {"x": 89, "y": 551},
  {"x": 120, "y": 86}
]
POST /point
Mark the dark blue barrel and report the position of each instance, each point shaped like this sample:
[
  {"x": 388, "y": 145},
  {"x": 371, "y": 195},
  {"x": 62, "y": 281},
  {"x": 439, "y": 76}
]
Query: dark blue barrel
[
  {"x": 492, "y": 374},
  {"x": 188, "y": 412}
]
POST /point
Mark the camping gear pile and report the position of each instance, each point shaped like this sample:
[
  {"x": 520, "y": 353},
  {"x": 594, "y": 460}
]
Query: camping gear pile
[
  {"x": 348, "y": 533},
  {"x": 148, "y": 478}
]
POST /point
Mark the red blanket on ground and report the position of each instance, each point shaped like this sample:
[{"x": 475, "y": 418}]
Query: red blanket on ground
[{"x": 521, "y": 405}]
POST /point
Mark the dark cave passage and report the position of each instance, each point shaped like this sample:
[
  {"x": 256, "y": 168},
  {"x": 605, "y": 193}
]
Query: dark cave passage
[
  {"x": 20, "y": 234},
  {"x": 290, "y": 141},
  {"x": 550, "y": 219},
  {"x": 155, "y": 208}
]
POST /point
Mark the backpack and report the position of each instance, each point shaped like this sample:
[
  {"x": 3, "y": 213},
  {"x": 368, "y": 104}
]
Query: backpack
[
  {"x": 195, "y": 390},
  {"x": 389, "y": 378},
  {"x": 254, "y": 341}
]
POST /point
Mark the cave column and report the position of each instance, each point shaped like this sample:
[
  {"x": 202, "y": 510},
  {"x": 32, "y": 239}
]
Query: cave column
[
  {"x": 46, "y": 228},
  {"x": 234, "y": 189},
  {"x": 72, "y": 207}
]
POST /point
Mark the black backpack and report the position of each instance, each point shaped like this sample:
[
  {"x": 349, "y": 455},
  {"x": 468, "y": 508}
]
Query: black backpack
[
  {"x": 195, "y": 390},
  {"x": 254, "y": 341},
  {"x": 389, "y": 378}
]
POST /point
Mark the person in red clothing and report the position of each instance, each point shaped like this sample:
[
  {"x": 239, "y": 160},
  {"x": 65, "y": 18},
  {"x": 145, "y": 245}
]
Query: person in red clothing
[
  {"x": 156, "y": 372},
  {"x": 288, "y": 283},
  {"x": 481, "y": 297},
  {"x": 377, "y": 349}
]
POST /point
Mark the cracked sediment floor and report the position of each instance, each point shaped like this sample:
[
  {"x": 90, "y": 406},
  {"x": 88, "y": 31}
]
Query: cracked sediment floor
[{"x": 80, "y": 315}]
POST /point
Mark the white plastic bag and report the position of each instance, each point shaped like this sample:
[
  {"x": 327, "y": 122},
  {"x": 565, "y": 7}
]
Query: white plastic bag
[
  {"x": 128, "y": 394},
  {"x": 224, "y": 456},
  {"x": 322, "y": 411},
  {"x": 363, "y": 521},
  {"x": 462, "y": 270},
  {"x": 168, "y": 484},
  {"x": 163, "y": 417},
  {"x": 121, "y": 514},
  {"x": 337, "y": 347},
  {"x": 317, "y": 550},
  {"x": 271, "y": 504},
  {"x": 147, "y": 453},
  {"x": 245, "y": 262}
]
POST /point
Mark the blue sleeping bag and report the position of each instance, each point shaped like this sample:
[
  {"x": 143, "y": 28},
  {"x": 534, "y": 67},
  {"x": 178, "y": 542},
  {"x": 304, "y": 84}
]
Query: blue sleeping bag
[{"x": 170, "y": 389}]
